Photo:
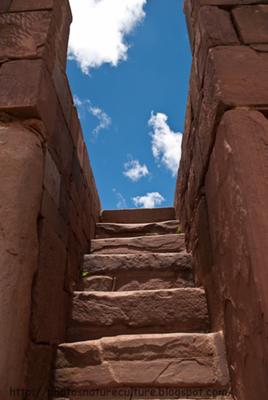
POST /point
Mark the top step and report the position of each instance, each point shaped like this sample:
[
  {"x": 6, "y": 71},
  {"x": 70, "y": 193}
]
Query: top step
[{"x": 138, "y": 215}]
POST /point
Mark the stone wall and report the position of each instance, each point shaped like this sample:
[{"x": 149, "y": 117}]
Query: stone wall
[
  {"x": 222, "y": 188},
  {"x": 48, "y": 199}
]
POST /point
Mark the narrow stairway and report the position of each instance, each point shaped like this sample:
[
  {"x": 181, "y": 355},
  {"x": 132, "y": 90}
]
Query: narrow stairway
[{"x": 139, "y": 327}]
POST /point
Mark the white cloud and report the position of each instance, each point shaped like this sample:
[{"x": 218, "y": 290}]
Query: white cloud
[
  {"x": 134, "y": 170},
  {"x": 99, "y": 28},
  {"x": 166, "y": 144},
  {"x": 85, "y": 106},
  {"x": 121, "y": 201},
  {"x": 150, "y": 200}
]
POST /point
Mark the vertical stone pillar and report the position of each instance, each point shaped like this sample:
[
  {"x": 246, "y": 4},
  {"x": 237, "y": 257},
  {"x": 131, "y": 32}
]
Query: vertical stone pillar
[
  {"x": 48, "y": 198},
  {"x": 223, "y": 178}
]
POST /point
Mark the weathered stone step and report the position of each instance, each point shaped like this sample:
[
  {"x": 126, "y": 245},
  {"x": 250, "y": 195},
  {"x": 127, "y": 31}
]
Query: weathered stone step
[
  {"x": 168, "y": 360},
  {"x": 138, "y": 215},
  {"x": 140, "y": 271},
  {"x": 97, "y": 314},
  {"x": 154, "y": 244},
  {"x": 109, "y": 230}
]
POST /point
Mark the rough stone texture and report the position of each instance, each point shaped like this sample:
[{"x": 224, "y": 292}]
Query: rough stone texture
[
  {"x": 44, "y": 233},
  {"x": 47, "y": 326},
  {"x": 27, "y": 91},
  {"x": 248, "y": 17},
  {"x": 154, "y": 244},
  {"x": 108, "y": 230},
  {"x": 237, "y": 189},
  {"x": 176, "y": 360},
  {"x": 222, "y": 180},
  {"x": 236, "y": 86},
  {"x": 214, "y": 28},
  {"x": 133, "y": 271},
  {"x": 20, "y": 197},
  {"x": 98, "y": 283},
  {"x": 136, "y": 216},
  {"x": 108, "y": 314}
]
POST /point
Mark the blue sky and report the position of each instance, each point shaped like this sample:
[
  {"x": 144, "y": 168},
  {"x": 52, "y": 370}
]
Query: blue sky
[{"x": 130, "y": 84}]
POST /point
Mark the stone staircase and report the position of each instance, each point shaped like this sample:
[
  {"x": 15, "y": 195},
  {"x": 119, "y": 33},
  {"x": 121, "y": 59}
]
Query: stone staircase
[{"x": 139, "y": 328}]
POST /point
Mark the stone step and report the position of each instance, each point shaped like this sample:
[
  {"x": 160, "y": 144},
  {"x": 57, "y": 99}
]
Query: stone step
[
  {"x": 97, "y": 314},
  {"x": 177, "y": 360},
  {"x": 109, "y": 230},
  {"x": 140, "y": 271},
  {"x": 141, "y": 244},
  {"x": 138, "y": 215}
]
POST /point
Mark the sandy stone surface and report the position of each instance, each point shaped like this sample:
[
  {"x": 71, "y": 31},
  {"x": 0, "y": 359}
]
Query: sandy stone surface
[
  {"x": 153, "y": 244},
  {"x": 180, "y": 360},
  {"x": 97, "y": 314}
]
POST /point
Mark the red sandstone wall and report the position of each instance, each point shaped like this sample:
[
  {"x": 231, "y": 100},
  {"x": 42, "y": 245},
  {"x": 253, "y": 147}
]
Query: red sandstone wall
[
  {"x": 222, "y": 187},
  {"x": 48, "y": 199}
]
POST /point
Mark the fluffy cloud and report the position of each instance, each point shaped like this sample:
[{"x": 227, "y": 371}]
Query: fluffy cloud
[
  {"x": 85, "y": 106},
  {"x": 134, "y": 170},
  {"x": 166, "y": 144},
  {"x": 99, "y": 28},
  {"x": 121, "y": 201},
  {"x": 150, "y": 200}
]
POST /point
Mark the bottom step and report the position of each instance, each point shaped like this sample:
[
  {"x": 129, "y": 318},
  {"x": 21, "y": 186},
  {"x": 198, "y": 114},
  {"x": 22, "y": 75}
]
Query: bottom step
[{"x": 150, "y": 360}]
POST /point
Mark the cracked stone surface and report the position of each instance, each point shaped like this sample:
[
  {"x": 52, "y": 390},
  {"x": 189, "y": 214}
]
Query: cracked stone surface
[
  {"x": 108, "y": 230},
  {"x": 143, "y": 271},
  {"x": 180, "y": 360},
  {"x": 97, "y": 314},
  {"x": 154, "y": 244}
]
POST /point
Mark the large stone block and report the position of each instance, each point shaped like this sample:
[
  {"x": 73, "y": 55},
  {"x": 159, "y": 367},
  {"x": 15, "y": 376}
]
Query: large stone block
[
  {"x": 143, "y": 244},
  {"x": 169, "y": 360},
  {"x": 27, "y": 91},
  {"x": 192, "y": 8},
  {"x": 50, "y": 212},
  {"x": 214, "y": 28},
  {"x": 135, "y": 216},
  {"x": 237, "y": 189},
  {"x": 24, "y": 35},
  {"x": 36, "y": 28},
  {"x": 61, "y": 146},
  {"x": 21, "y": 174},
  {"x": 48, "y": 312},
  {"x": 252, "y": 24},
  {"x": 97, "y": 314}
]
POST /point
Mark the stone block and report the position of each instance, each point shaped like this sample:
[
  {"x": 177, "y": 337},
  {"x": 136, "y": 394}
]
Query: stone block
[
  {"x": 251, "y": 22},
  {"x": 24, "y": 35},
  {"x": 239, "y": 76},
  {"x": 97, "y": 314},
  {"x": 237, "y": 189},
  {"x": 138, "y": 215},
  {"x": 27, "y": 91},
  {"x": 214, "y": 28},
  {"x": 61, "y": 146},
  {"x": 48, "y": 309},
  {"x": 171, "y": 243},
  {"x": 63, "y": 91},
  {"x": 21, "y": 174},
  {"x": 50, "y": 212},
  {"x": 52, "y": 178}
]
